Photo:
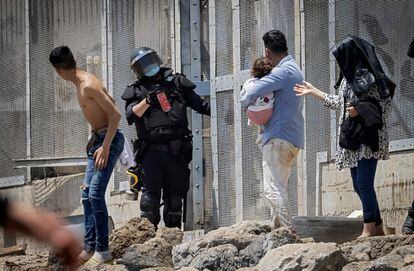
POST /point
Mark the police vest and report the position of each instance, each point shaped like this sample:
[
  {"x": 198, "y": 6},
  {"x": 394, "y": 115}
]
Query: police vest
[{"x": 159, "y": 126}]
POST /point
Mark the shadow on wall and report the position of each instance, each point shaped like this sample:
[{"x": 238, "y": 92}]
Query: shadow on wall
[
  {"x": 406, "y": 80},
  {"x": 60, "y": 194}
]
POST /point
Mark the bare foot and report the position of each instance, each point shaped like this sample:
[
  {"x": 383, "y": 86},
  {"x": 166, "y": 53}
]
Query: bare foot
[{"x": 369, "y": 230}]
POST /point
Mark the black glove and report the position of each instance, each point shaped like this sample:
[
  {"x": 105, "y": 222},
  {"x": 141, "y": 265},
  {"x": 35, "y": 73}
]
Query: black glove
[{"x": 151, "y": 98}]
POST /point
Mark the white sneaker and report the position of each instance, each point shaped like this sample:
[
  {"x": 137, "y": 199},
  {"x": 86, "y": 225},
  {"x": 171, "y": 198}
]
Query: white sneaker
[
  {"x": 100, "y": 257},
  {"x": 84, "y": 256}
]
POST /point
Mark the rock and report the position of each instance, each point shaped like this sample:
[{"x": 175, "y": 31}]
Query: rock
[
  {"x": 251, "y": 255},
  {"x": 409, "y": 259},
  {"x": 158, "y": 269},
  {"x": 307, "y": 240},
  {"x": 356, "y": 266},
  {"x": 247, "y": 269},
  {"x": 135, "y": 231},
  {"x": 374, "y": 247},
  {"x": 217, "y": 258},
  {"x": 408, "y": 268},
  {"x": 104, "y": 267},
  {"x": 13, "y": 251},
  {"x": 173, "y": 236},
  {"x": 24, "y": 263},
  {"x": 392, "y": 261},
  {"x": 187, "y": 269},
  {"x": 240, "y": 236},
  {"x": 153, "y": 253},
  {"x": 311, "y": 256}
]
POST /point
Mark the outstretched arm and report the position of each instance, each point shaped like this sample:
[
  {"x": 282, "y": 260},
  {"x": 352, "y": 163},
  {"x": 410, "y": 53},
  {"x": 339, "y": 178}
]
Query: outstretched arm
[
  {"x": 330, "y": 100},
  {"x": 42, "y": 226},
  {"x": 194, "y": 101}
]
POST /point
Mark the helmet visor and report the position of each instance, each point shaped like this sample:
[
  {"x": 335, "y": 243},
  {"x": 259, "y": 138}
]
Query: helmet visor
[{"x": 147, "y": 65}]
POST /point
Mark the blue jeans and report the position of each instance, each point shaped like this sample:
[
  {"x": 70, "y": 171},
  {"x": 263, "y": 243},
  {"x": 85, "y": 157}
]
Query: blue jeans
[
  {"x": 363, "y": 180},
  {"x": 93, "y": 195}
]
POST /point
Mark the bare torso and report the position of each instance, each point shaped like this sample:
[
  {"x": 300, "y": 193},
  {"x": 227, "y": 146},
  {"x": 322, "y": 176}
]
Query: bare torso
[{"x": 92, "y": 111}]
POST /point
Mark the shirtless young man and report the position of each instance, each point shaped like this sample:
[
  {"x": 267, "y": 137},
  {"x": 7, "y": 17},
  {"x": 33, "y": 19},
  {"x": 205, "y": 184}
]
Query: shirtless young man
[{"x": 103, "y": 149}]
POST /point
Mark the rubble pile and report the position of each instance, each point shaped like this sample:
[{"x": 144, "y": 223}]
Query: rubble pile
[{"x": 250, "y": 245}]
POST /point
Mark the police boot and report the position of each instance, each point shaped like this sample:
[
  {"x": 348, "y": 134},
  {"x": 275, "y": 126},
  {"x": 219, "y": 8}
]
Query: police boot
[
  {"x": 150, "y": 208},
  {"x": 173, "y": 212},
  {"x": 408, "y": 226}
]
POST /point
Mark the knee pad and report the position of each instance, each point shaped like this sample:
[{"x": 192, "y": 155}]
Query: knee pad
[
  {"x": 150, "y": 208},
  {"x": 173, "y": 211}
]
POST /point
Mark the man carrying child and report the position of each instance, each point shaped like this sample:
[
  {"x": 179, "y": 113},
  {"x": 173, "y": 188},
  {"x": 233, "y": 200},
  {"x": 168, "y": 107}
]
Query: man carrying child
[{"x": 283, "y": 133}]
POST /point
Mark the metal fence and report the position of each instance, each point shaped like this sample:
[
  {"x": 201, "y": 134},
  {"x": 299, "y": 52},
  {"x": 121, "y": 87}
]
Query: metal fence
[
  {"x": 134, "y": 24},
  {"x": 238, "y": 28},
  {"x": 311, "y": 27},
  {"x": 12, "y": 86},
  {"x": 41, "y": 119}
]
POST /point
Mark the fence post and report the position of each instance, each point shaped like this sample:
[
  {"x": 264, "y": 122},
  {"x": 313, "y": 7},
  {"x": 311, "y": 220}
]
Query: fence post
[
  {"x": 332, "y": 74},
  {"x": 301, "y": 160},
  {"x": 196, "y": 122},
  {"x": 28, "y": 106},
  {"x": 213, "y": 104},
  {"x": 237, "y": 111}
]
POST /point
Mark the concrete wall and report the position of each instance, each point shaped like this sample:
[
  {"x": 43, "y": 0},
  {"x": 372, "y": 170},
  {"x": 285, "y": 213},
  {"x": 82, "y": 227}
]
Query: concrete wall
[
  {"x": 62, "y": 196},
  {"x": 394, "y": 187}
]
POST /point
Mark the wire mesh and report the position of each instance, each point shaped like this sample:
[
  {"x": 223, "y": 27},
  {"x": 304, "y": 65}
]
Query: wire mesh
[
  {"x": 12, "y": 86},
  {"x": 123, "y": 42},
  {"x": 208, "y": 174},
  {"x": 224, "y": 38},
  {"x": 256, "y": 18},
  {"x": 317, "y": 72},
  {"x": 58, "y": 127},
  {"x": 205, "y": 54},
  {"x": 372, "y": 21},
  {"x": 136, "y": 24},
  {"x": 226, "y": 158}
]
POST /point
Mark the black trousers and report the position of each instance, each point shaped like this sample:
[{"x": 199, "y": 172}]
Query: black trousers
[{"x": 165, "y": 176}]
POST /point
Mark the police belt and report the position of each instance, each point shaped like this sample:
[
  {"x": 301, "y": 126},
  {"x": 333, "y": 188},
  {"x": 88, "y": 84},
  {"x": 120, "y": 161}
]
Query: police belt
[{"x": 158, "y": 147}]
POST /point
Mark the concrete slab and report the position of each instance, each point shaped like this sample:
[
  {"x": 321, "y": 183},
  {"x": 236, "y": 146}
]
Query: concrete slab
[{"x": 328, "y": 229}]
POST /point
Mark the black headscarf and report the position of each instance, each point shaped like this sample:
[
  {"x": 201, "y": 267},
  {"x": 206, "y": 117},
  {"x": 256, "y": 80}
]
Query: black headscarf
[{"x": 354, "y": 55}]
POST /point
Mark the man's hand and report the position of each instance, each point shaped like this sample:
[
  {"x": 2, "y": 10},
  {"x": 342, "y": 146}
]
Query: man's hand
[
  {"x": 151, "y": 98},
  {"x": 352, "y": 111},
  {"x": 101, "y": 157},
  {"x": 45, "y": 227},
  {"x": 67, "y": 248}
]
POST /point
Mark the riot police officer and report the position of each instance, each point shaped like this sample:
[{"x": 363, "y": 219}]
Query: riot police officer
[{"x": 157, "y": 104}]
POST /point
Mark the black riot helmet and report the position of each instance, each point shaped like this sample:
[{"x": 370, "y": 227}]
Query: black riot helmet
[{"x": 145, "y": 62}]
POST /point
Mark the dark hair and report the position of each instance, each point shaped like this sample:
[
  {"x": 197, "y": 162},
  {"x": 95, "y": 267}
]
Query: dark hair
[
  {"x": 275, "y": 41},
  {"x": 261, "y": 67},
  {"x": 61, "y": 57}
]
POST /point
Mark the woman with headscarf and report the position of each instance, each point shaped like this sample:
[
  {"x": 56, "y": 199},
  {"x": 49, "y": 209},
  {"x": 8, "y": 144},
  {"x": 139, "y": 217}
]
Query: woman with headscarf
[{"x": 364, "y": 99}]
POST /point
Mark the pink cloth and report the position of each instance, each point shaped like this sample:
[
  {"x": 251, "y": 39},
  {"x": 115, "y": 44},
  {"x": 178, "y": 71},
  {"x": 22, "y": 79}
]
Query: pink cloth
[
  {"x": 260, "y": 114},
  {"x": 261, "y": 111}
]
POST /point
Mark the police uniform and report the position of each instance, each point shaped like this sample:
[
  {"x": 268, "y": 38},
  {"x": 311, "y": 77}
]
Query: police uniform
[{"x": 165, "y": 143}]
